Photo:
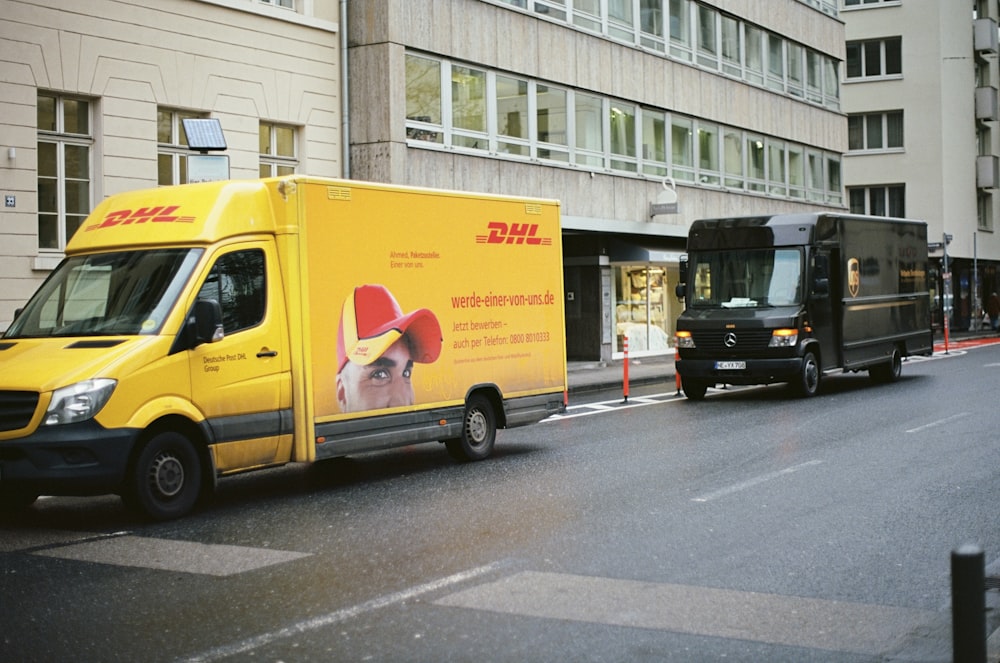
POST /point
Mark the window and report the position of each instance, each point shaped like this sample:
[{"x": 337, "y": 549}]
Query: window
[
  {"x": 682, "y": 148},
  {"x": 589, "y": 130},
  {"x": 621, "y": 23},
  {"x": 654, "y": 143},
  {"x": 731, "y": 56},
  {"x": 423, "y": 99},
  {"x": 64, "y": 169},
  {"x": 733, "y": 155},
  {"x": 756, "y": 173},
  {"x": 236, "y": 282},
  {"x": 796, "y": 80},
  {"x": 288, "y": 4},
  {"x": 834, "y": 193},
  {"x": 551, "y": 116},
  {"x": 277, "y": 149},
  {"x": 623, "y": 135},
  {"x": 708, "y": 154},
  {"x": 680, "y": 29},
  {"x": 888, "y": 200},
  {"x": 587, "y": 14},
  {"x": 651, "y": 24},
  {"x": 468, "y": 107},
  {"x": 512, "y": 116},
  {"x": 776, "y": 168},
  {"x": 875, "y": 131},
  {"x": 874, "y": 59},
  {"x": 708, "y": 41},
  {"x": 858, "y": 3},
  {"x": 755, "y": 55},
  {"x": 172, "y": 149},
  {"x": 775, "y": 62}
]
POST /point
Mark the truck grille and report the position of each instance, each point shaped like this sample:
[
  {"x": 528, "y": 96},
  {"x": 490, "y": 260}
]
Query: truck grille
[
  {"x": 747, "y": 340},
  {"x": 16, "y": 409}
]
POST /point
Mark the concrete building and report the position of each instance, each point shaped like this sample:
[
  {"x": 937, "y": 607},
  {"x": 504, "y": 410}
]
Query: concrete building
[
  {"x": 639, "y": 115},
  {"x": 920, "y": 91},
  {"x": 618, "y": 108}
]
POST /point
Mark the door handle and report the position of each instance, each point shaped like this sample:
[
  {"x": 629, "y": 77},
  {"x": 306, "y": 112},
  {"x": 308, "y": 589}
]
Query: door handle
[{"x": 267, "y": 353}]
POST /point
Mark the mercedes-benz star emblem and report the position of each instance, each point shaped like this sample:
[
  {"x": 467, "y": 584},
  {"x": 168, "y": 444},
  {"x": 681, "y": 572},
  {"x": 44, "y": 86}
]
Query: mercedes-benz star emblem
[{"x": 730, "y": 340}]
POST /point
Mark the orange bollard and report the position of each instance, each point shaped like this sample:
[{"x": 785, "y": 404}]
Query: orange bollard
[
  {"x": 677, "y": 374},
  {"x": 625, "y": 366}
]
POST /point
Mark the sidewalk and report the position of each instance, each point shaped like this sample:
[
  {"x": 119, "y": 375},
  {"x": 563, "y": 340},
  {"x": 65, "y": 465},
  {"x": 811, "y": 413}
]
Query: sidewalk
[{"x": 591, "y": 376}]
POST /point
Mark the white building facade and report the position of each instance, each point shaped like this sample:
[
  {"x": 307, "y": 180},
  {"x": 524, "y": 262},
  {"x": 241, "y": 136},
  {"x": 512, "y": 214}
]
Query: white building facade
[
  {"x": 920, "y": 91},
  {"x": 93, "y": 95}
]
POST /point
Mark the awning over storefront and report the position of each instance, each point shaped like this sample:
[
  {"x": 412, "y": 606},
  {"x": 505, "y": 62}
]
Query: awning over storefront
[{"x": 622, "y": 251}]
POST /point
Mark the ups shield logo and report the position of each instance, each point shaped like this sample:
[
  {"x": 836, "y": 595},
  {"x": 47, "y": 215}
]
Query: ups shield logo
[{"x": 853, "y": 276}]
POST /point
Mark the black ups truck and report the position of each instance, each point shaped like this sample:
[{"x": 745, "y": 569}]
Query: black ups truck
[{"x": 786, "y": 298}]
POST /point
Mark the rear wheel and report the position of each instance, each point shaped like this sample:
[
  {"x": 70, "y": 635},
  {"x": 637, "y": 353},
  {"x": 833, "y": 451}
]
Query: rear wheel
[
  {"x": 694, "y": 389},
  {"x": 165, "y": 479},
  {"x": 889, "y": 371},
  {"x": 479, "y": 431},
  {"x": 807, "y": 383}
]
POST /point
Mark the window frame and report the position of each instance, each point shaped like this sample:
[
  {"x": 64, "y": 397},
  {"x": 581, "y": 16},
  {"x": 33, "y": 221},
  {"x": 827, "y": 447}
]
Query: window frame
[{"x": 61, "y": 138}]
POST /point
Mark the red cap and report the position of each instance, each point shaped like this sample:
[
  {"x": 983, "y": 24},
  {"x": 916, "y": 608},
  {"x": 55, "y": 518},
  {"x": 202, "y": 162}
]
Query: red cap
[{"x": 371, "y": 321}]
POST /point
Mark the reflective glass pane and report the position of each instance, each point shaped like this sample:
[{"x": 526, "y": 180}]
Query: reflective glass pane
[
  {"x": 47, "y": 163},
  {"x": 164, "y": 132},
  {"x": 46, "y": 113},
  {"x": 48, "y": 231},
  {"x": 48, "y": 195},
  {"x": 588, "y": 122},
  {"x": 285, "y": 140},
  {"x": 77, "y": 197},
  {"x": 264, "y": 138},
  {"x": 76, "y": 117},
  {"x": 73, "y": 223},
  {"x": 164, "y": 169},
  {"x": 512, "y": 107},
  {"x": 468, "y": 98},
  {"x": 551, "y": 114},
  {"x": 423, "y": 90},
  {"x": 77, "y": 161}
]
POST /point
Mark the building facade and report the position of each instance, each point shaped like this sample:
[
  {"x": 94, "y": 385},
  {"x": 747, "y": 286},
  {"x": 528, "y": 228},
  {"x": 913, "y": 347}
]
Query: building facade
[
  {"x": 93, "y": 96},
  {"x": 920, "y": 91},
  {"x": 638, "y": 115}
]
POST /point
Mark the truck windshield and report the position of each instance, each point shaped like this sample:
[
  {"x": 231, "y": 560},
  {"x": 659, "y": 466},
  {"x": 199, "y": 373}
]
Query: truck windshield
[
  {"x": 107, "y": 294},
  {"x": 748, "y": 278}
]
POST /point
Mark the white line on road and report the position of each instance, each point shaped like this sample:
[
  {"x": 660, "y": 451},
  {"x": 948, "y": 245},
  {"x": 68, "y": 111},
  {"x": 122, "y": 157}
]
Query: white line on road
[
  {"x": 749, "y": 483},
  {"x": 939, "y": 422},
  {"x": 338, "y": 616}
]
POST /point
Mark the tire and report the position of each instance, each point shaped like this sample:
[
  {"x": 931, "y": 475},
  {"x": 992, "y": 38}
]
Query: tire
[
  {"x": 807, "y": 384},
  {"x": 164, "y": 482},
  {"x": 479, "y": 431},
  {"x": 889, "y": 371},
  {"x": 694, "y": 389}
]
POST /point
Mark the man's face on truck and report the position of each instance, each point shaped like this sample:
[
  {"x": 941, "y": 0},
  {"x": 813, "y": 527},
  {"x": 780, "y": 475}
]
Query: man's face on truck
[{"x": 383, "y": 383}]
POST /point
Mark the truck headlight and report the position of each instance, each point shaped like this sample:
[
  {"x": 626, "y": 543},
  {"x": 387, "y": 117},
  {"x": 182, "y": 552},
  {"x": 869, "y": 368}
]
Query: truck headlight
[
  {"x": 78, "y": 402},
  {"x": 684, "y": 339},
  {"x": 784, "y": 338}
]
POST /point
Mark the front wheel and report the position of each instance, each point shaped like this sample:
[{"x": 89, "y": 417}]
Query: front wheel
[
  {"x": 165, "y": 480},
  {"x": 479, "y": 431},
  {"x": 694, "y": 389},
  {"x": 807, "y": 383}
]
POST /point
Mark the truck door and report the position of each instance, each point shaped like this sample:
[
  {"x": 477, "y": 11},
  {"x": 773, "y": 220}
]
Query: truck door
[
  {"x": 825, "y": 304},
  {"x": 242, "y": 383}
]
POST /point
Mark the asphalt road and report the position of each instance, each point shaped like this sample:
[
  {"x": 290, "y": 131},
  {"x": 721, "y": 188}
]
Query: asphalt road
[{"x": 751, "y": 526}]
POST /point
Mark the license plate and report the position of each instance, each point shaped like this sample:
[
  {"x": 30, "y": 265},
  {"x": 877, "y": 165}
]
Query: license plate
[{"x": 730, "y": 365}]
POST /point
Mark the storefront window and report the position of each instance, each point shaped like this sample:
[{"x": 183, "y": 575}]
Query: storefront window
[{"x": 644, "y": 308}]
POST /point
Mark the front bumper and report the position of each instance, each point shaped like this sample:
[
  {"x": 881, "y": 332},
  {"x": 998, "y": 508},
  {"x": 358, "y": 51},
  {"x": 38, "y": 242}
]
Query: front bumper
[
  {"x": 757, "y": 371},
  {"x": 75, "y": 459}
]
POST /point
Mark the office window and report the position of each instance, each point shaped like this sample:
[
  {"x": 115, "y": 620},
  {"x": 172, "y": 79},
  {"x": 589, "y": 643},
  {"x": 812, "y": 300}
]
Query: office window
[
  {"x": 682, "y": 148},
  {"x": 875, "y": 131},
  {"x": 287, "y": 4},
  {"x": 834, "y": 187},
  {"x": 64, "y": 170},
  {"x": 874, "y": 59},
  {"x": 551, "y": 119},
  {"x": 423, "y": 100},
  {"x": 754, "y": 71},
  {"x": 796, "y": 172},
  {"x": 654, "y": 143},
  {"x": 888, "y": 200},
  {"x": 796, "y": 64},
  {"x": 468, "y": 107},
  {"x": 512, "y": 116},
  {"x": 623, "y": 137},
  {"x": 708, "y": 39},
  {"x": 587, "y": 14},
  {"x": 733, "y": 155},
  {"x": 775, "y": 62},
  {"x": 621, "y": 21},
  {"x": 651, "y": 24},
  {"x": 731, "y": 51},
  {"x": 277, "y": 149},
  {"x": 589, "y": 118},
  {"x": 756, "y": 172},
  {"x": 814, "y": 176},
  {"x": 708, "y": 154},
  {"x": 680, "y": 29},
  {"x": 172, "y": 146}
]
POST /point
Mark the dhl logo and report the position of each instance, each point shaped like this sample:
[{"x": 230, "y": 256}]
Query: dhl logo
[
  {"x": 514, "y": 233},
  {"x": 124, "y": 217}
]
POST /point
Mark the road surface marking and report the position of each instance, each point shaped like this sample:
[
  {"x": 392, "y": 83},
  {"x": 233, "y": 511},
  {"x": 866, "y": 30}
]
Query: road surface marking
[
  {"x": 939, "y": 422},
  {"x": 780, "y": 620},
  {"x": 749, "y": 483},
  {"x": 170, "y": 555},
  {"x": 338, "y": 616}
]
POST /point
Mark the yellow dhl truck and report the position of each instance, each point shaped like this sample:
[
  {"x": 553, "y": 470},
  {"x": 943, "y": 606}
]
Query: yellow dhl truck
[{"x": 208, "y": 329}]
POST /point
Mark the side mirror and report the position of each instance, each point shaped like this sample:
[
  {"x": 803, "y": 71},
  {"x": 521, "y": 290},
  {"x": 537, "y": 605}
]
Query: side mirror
[
  {"x": 207, "y": 322},
  {"x": 680, "y": 290},
  {"x": 821, "y": 287}
]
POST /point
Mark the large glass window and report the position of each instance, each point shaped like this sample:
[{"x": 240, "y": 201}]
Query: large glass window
[
  {"x": 680, "y": 29},
  {"x": 64, "y": 168},
  {"x": 731, "y": 55},
  {"x": 887, "y": 200},
  {"x": 733, "y": 146},
  {"x": 682, "y": 148},
  {"x": 642, "y": 308},
  {"x": 875, "y": 58},
  {"x": 654, "y": 143},
  {"x": 468, "y": 107},
  {"x": 708, "y": 154},
  {"x": 756, "y": 173},
  {"x": 875, "y": 131},
  {"x": 651, "y": 24},
  {"x": 708, "y": 39},
  {"x": 623, "y": 137}
]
